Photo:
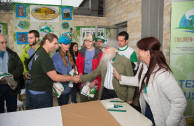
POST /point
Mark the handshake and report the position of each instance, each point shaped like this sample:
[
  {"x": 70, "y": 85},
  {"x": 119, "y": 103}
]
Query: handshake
[
  {"x": 76, "y": 78},
  {"x": 74, "y": 74}
]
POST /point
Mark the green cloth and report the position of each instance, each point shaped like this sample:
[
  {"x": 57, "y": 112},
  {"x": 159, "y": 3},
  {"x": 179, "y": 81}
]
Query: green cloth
[
  {"x": 25, "y": 57},
  {"x": 123, "y": 67},
  {"x": 41, "y": 64},
  {"x": 133, "y": 57}
]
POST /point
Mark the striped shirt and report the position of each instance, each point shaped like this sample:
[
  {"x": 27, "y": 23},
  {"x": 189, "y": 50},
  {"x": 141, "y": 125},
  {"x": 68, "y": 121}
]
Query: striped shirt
[{"x": 109, "y": 76}]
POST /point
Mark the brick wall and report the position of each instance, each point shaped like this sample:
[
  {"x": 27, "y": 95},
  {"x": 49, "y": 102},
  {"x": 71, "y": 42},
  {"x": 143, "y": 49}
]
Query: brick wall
[{"x": 116, "y": 11}]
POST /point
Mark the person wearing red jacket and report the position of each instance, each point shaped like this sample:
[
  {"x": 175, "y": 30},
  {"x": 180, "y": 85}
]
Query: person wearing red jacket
[{"x": 87, "y": 61}]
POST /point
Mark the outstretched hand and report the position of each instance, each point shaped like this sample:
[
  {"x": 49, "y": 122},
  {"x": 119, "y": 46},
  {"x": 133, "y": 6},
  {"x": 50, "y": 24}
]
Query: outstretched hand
[
  {"x": 116, "y": 74},
  {"x": 76, "y": 79}
]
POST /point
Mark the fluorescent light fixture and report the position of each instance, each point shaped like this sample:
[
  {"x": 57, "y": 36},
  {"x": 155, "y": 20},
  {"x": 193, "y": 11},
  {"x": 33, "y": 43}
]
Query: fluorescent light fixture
[{"x": 74, "y": 3}]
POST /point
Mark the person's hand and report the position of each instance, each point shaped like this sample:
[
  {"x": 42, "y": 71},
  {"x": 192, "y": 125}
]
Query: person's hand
[
  {"x": 12, "y": 76},
  {"x": 27, "y": 76},
  {"x": 116, "y": 74},
  {"x": 2, "y": 79},
  {"x": 76, "y": 79},
  {"x": 92, "y": 84},
  {"x": 129, "y": 102},
  {"x": 80, "y": 74}
]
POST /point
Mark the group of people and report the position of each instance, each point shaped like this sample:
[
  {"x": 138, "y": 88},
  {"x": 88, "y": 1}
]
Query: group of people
[
  {"x": 63, "y": 62},
  {"x": 110, "y": 65}
]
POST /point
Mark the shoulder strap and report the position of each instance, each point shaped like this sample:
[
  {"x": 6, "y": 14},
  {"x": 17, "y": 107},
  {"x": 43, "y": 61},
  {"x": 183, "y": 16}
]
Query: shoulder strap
[{"x": 32, "y": 56}]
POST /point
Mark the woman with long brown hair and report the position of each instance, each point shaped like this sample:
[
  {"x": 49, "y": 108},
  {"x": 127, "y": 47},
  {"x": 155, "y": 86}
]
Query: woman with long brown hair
[
  {"x": 63, "y": 63},
  {"x": 161, "y": 98},
  {"x": 74, "y": 52}
]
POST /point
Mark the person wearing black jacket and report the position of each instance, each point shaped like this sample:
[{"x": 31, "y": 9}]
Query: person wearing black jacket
[{"x": 9, "y": 63}]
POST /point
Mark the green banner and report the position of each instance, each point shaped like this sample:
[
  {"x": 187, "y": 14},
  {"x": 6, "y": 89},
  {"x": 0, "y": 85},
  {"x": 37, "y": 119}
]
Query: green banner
[
  {"x": 3, "y": 28},
  {"x": 182, "y": 50},
  {"x": 82, "y": 30},
  {"x": 4, "y": 31}
]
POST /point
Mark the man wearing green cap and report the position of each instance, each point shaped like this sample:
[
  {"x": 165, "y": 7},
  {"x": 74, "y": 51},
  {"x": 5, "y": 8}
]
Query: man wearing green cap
[
  {"x": 99, "y": 40},
  {"x": 110, "y": 86}
]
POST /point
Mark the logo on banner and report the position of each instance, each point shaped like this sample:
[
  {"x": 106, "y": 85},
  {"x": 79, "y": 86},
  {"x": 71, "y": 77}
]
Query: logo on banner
[{"x": 187, "y": 21}]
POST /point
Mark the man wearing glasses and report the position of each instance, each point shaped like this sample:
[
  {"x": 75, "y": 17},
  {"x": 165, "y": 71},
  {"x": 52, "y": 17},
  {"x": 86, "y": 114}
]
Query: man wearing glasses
[{"x": 10, "y": 63}]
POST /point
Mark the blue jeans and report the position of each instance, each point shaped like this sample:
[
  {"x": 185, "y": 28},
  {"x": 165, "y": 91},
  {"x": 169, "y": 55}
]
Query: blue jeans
[
  {"x": 73, "y": 94},
  {"x": 28, "y": 104},
  {"x": 41, "y": 100},
  {"x": 148, "y": 114},
  {"x": 11, "y": 100},
  {"x": 63, "y": 99}
]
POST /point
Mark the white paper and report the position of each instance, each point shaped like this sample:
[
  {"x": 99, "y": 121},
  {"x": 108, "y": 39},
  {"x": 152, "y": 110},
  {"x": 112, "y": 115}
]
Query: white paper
[{"x": 37, "y": 117}]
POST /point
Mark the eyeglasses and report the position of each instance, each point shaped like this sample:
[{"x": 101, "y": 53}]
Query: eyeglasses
[{"x": 3, "y": 42}]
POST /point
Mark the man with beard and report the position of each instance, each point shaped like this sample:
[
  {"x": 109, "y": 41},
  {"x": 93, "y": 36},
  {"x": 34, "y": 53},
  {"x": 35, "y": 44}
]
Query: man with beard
[
  {"x": 87, "y": 61},
  {"x": 26, "y": 56},
  {"x": 110, "y": 87},
  {"x": 9, "y": 63}
]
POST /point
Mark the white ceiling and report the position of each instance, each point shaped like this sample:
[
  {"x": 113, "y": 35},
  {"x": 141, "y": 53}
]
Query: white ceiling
[{"x": 74, "y": 3}]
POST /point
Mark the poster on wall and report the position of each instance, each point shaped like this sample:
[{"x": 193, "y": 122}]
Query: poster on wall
[
  {"x": 43, "y": 18},
  {"x": 4, "y": 30},
  {"x": 182, "y": 50},
  {"x": 22, "y": 37},
  {"x": 82, "y": 30}
]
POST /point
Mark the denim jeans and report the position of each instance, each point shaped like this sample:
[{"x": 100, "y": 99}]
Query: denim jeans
[
  {"x": 11, "y": 100},
  {"x": 41, "y": 100},
  {"x": 27, "y": 93},
  {"x": 63, "y": 99},
  {"x": 73, "y": 94},
  {"x": 148, "y": 114}
]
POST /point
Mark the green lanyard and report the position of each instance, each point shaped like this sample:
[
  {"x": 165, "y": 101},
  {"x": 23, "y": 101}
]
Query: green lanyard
[{"x": 145, "y": 90}]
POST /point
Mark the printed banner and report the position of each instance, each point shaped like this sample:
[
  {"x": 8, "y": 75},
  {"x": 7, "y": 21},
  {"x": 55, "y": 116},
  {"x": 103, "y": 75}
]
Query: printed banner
[
  {"x": 182, "y": 50},
  {"x": 4, "y": 31},
  {"x": 82, "y": 30},
  {"x": 43, "y": 18}
]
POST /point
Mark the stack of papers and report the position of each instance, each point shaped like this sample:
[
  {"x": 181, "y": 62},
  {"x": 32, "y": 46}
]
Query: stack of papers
[
  {"x": 2, "y": 75},
  {"x": 8, "y": 80},
  {"x": 87, "y": 91},
  {"x": 119, "y": 106}
]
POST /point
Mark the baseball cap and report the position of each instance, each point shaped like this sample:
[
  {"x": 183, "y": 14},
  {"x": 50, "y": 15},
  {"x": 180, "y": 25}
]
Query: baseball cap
[
  {"x": 64, "y": 40},
  {"x": 111, "y": 42},
  {"x": 100, "y": 37},
  {"x": 89, "y": 37}
]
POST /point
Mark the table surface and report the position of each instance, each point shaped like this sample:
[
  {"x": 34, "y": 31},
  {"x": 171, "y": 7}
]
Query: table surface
[
  {"x": 132, "y": 117},
  {"x": 52, "y": 117}
]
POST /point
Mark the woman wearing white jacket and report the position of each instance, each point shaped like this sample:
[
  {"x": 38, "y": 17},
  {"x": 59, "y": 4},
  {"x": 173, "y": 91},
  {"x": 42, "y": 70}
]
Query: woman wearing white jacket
[{"x": 161, "y": 98}]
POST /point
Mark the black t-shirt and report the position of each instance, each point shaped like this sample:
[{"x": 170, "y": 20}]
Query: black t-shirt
[{"x": 41, "y": 64}]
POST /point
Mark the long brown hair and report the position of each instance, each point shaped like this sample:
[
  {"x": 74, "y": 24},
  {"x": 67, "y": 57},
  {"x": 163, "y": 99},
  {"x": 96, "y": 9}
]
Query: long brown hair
[
  {"x": 74, "y": 54},
  {"x": 66, "y": 53},
  {"x": 157, "y": 58}
]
